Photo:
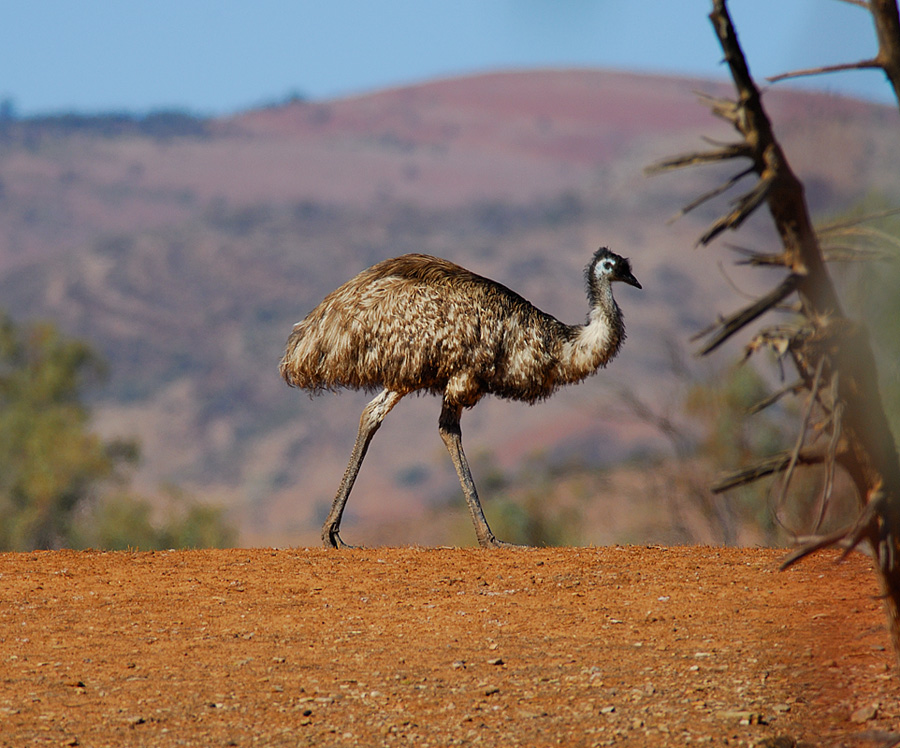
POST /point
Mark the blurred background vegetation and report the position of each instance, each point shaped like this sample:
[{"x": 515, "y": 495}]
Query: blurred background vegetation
[{"x": 62, "y": 485}]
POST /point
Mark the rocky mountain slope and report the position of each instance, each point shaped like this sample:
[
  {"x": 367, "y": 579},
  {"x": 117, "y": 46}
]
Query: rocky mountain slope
[{"x": 186, "y": 251}]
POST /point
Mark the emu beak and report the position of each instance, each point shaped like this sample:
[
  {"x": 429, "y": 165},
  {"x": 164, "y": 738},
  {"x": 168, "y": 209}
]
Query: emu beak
[{"x": 628, "y": 278}]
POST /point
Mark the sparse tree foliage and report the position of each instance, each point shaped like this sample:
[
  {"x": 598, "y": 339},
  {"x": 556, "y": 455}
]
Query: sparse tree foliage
[
  {"x": 122, "y": 521},
  {"x": 49, "y": 461},
  {"x": 843, "y": 420},
  {"x": 60, "y": 484}
]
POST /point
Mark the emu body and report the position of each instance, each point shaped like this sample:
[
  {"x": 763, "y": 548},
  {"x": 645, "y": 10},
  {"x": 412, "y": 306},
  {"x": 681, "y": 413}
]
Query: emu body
[{"x": 420, "y": 323}]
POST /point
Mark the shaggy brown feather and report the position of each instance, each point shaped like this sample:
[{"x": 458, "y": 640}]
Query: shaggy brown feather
[{"x": 422, "y": 323}]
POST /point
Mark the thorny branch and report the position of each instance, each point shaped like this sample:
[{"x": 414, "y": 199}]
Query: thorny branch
[{"x": 844, "y": 422}]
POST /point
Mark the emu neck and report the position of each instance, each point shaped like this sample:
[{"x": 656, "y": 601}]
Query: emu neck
[{"x": 594, "y": 344}]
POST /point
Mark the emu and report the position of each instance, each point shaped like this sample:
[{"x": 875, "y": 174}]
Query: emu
[{"x": 422, "y": 324}]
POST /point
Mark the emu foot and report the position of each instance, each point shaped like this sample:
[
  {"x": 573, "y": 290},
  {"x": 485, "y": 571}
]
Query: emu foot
[
  {"x": 332, "y": 539},
  {"x": 492, "y": 542}
]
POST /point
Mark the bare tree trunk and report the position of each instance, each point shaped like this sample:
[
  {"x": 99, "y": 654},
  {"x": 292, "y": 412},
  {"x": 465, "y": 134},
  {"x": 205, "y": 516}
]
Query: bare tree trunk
[{"x": 831, "y": 353}]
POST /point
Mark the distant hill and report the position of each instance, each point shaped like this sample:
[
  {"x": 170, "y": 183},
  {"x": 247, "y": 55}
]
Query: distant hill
[{"x": 185, "y": 249}]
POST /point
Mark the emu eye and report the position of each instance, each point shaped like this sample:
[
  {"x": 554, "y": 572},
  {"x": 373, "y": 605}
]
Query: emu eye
[{"x": 606, "y": 266}]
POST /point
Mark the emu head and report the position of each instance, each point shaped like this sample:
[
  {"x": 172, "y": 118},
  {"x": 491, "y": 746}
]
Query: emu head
[{"x": 605, "y": 267}]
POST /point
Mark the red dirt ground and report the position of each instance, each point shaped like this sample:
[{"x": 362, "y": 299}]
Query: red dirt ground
[{"x": 625, "y": 646}]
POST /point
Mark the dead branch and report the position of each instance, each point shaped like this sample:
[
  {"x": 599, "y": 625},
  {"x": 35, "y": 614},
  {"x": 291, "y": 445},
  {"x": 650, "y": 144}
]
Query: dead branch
[
  {"x": 848, "y": 253},
  {"x": 781, "y": 340},
  {"x": 736, "y": 150},
  {"x": 646, "y": 413},
  {"x": 791, "y": 389},
  {"x": 887, "y": 30},
  {"x": 863, "y": 65},
  {"x": 831, "y": 461},
  {"x": 801, "y": 438},
  {"x": 846, "y": 223},
  {"x": 849, "y": 538},
  {"x": 758, "y": 259},
  {"x": 735, "y": 322},
  {"x": 743, "y": 207},
  {"x": 862, "y": 242},
  {"x": 769, "y": 466},
  {"x": 826, "y": 343},
  {"x": 707, "y": 196},
  {"x": 870, "y": 456}
]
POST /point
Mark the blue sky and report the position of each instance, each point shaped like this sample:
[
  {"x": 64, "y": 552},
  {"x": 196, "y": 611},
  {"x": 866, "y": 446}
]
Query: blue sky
[{"x": 220, "y": 56}]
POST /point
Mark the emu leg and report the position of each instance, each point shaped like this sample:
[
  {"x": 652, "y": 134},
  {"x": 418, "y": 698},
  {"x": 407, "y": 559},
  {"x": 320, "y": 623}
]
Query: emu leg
[
  {"x": 371, "y": 419},
  {"x": 452, "y": 436}
]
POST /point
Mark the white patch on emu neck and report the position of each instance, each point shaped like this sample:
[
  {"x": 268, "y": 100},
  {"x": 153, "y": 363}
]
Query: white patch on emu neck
[{"x": 591, "y": 348}]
